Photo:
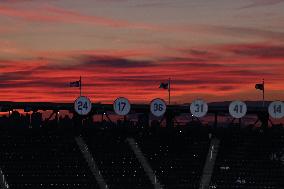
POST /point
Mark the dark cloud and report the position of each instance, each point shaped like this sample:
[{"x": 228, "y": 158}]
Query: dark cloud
[
  {"x": 227, "y": 88},
  {"x": 237, "y": 31},
  {"x": 183, "y": 59},
  {"x": 196, "y": 65},
  {"x": 156, "y": 3},
  {"x": 259, "y": 51},
  {"x": 247, "y": 73},
  {"x": 50, "y": 83},
  {"x": 261, "y": 3},
  {"x": 199, "y": 52},
  {"x": 17, "y": 75},
  {"x": 112, "y": 62},
  {"x": 24, "y": 1}
]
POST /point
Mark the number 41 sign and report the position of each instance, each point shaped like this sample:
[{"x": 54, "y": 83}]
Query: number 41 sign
[
  {"x": 238, "y": 109},
  {"x": 83, "y": 105}
]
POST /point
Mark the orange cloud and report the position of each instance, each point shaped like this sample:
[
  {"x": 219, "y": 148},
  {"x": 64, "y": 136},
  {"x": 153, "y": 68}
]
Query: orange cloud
[{"x": 194, "y": 73}]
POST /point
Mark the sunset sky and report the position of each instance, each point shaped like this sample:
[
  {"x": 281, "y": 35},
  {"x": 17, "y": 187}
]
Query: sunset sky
[{"x": 216, "y": 50}]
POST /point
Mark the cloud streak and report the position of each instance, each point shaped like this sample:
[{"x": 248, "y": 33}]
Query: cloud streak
[
  {"x": 118, "y": 53},
  {"x": 59, "y": 15},
  {"x": 261, "y": 3},
  {"x": 107, "y": 77},
  {"x": 258, "y": 50}
]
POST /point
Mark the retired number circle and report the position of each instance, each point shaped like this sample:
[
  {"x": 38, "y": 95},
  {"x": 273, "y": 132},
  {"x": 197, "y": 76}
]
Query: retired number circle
[
  {"x": 237, "y": 109},
  {"x": 198, "y": 108},
  {"x": 276, "y": 109},
  {"x": 121, "y": 106},
  {"x": 158, "y": 107},
  {"x": 83, "y": 105}
]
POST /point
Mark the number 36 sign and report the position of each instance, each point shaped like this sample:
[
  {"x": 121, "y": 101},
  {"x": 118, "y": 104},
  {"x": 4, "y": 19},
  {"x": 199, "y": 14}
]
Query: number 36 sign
[
  {"x": 83, "y": 105},
  {"x": 158, "y": 107}
]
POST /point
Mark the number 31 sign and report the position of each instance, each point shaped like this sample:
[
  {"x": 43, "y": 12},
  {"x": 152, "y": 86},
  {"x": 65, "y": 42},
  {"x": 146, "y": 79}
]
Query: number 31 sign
[
  {"x": 83, "y": 105},
  {"x": 121, "y": 106},
  {"x": 198, "y": 108}
]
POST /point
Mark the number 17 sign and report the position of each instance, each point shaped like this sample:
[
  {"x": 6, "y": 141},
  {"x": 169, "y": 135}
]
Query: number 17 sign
[{"x": 121, "y": 106}]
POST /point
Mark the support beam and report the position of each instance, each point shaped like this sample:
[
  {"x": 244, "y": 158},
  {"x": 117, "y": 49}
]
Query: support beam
[
  {"x": 215, "y": 120},
  {"x": 209, "y": 164},
  {"x": 169, "y": 119},
  {"x": 146, "y": 166},
  {"x": 3, "y": 182},
  {"x": 91, "y": 162}
]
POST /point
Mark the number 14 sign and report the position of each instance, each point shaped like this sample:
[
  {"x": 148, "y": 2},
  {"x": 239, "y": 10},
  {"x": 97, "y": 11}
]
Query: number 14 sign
[{"x": 276, "y": 109}]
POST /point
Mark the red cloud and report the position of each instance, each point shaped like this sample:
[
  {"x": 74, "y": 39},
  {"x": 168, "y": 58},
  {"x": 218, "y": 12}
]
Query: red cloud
[
  {"x": 257, "y": 50},
  {"x": 54, "y": 14},
  {"x": 107, "y": 77}
]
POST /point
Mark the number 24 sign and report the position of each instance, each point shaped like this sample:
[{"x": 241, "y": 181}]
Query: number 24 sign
[{"x": 83, "y": 105}]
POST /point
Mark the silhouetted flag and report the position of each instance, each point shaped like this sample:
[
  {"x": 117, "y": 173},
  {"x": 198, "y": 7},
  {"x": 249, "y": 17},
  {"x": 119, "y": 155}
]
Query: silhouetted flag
[
  {"x": 259, "y": 86},
  {"x": 164, "y": 85},
  {"x": 75, "y": 84}
]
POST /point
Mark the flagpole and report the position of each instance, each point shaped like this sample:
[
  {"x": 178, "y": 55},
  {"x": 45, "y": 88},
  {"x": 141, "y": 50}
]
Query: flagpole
[
  {"x": 80, "y": 86},
  {"x": 169, "y": 90},
  {"x": 263, "y": 93}
]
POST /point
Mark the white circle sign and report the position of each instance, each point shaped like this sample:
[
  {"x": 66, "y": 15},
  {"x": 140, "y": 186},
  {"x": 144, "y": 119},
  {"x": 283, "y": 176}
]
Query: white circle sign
[
  {"x": 198, "y": 108},
  {"x": 158, "y": 107},
  {"x": 276, "y": 109},
  {"x": 83, "y": 105},
  {"x": 121, "y": 106},
  {"x": 238, "y": 109}
]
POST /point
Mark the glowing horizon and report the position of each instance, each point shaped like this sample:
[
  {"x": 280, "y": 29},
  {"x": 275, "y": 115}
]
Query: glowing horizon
[{"x": 212, "y": 50}]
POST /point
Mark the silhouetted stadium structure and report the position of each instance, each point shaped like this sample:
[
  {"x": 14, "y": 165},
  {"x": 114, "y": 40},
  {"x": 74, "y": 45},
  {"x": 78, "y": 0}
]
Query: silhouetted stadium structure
[{"x": 78, "y": 152}]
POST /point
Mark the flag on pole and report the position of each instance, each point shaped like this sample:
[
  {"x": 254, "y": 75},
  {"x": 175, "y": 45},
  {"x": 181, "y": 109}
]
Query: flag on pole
[
  {"x": 164, "y": 85},
  {"x": 259, "y": 86},
  {"x": 75, "y": 84}
]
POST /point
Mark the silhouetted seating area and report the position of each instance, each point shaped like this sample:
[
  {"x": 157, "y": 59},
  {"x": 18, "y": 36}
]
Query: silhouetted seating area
[
  {"x": 176, "y": 155},
  {"x": 35, "y": 159},
  {"x": 115, "y": 159},
  {"x": 43, "y": 157},
  {"x": 250, "y": 159}
]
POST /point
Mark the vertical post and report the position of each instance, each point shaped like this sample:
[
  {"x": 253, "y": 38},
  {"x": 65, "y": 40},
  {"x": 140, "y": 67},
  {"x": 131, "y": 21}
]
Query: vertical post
[
  {"x": 215, "y": 120},
  {"x": 263, "y": 92},
  {"x": 169, "y": 90},
  {"x": 80, "y": 86}
]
